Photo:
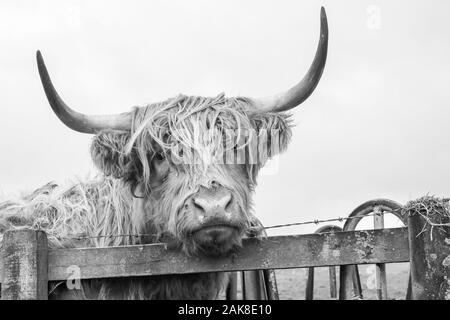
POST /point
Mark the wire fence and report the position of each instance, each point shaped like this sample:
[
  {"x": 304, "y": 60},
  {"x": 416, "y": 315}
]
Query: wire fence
[{"x": 256, "y": 229}]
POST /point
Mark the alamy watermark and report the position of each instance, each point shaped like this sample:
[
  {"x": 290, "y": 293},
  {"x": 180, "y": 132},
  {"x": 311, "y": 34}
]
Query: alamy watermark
[
  {"x": 229, "y": 146},
  {"x": 373, "y": 21},
  {"x": 73, "y": 281}
]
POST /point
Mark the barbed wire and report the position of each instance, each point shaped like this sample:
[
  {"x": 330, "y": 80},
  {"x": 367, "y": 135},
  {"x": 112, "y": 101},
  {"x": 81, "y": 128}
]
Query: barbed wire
[
  {"x": 317, "y": 221},
  {"x": 258, "y": 229}
]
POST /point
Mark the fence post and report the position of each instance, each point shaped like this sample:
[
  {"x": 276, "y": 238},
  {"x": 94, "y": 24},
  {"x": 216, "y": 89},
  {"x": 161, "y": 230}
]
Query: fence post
[
  {"x": 25, "y": 266},
  {"x": 231, "y": 292},
  {"x": 430, "y": 258},
  {"x": 253, "y": 286},
  {"x": 380, "y": 268},
  {"x": 333, "y": 289},
  {"x": 309, "y": 291},
  {"x": 271, "y": 284}
]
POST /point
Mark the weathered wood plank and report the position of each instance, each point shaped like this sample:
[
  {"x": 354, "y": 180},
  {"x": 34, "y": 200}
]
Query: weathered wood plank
[
  {"x": 282, "y": 252},
  {"x": 24, "y": 260},
  {"x": 360, "y": 247}
]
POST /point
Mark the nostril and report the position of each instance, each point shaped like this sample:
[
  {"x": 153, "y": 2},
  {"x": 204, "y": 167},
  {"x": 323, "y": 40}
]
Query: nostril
[
  {"x": 229, "y": 202},
  {"x": 198, "y": 204},
  {"x": 213, "y": 204}
]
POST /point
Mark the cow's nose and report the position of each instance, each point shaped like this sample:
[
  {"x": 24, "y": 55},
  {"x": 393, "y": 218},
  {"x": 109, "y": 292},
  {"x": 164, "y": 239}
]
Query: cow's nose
[{"x": 213, "y": 202}]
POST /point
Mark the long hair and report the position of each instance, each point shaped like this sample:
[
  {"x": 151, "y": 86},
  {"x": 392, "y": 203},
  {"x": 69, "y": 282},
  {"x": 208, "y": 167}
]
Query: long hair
[{"x": 103, "y": 211}]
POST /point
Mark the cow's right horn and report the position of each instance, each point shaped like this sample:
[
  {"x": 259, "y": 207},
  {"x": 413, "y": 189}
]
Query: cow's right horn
[
  {"x": 73, "y": 119},
  {"x": 301, "y": 91}
]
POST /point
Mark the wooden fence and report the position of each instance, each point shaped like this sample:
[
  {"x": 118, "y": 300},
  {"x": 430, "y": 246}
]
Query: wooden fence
[{"x": 27, "y": 264}]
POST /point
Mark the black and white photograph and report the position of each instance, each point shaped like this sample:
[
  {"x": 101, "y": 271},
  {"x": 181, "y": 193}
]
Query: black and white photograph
[{"x": 242, "y": 151}]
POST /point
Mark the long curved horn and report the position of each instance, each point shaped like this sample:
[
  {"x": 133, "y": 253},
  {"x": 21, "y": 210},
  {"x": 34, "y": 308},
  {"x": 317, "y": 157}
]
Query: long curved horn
[
  {"x": 73, "y": 119},
  {"x": 300, "y": 92}
]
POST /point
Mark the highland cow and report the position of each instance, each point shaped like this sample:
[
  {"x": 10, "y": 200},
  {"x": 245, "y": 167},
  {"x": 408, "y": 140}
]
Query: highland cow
[{"x": 180, "y": 171}]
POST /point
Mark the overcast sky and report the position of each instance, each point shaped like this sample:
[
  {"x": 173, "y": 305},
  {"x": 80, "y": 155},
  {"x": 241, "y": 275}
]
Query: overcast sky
[{"x": 376, "y": 126}]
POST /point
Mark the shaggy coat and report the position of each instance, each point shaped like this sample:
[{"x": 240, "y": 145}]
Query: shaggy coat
[{"x": 173, "y": 149}]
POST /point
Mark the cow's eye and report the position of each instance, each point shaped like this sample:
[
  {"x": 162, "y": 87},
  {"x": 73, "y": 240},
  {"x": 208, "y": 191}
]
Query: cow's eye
[{"x": 159, "y": 156}]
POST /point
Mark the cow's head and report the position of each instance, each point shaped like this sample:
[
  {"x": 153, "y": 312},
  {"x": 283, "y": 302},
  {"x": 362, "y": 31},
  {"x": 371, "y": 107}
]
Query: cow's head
[{"x": 193, "y": 161}]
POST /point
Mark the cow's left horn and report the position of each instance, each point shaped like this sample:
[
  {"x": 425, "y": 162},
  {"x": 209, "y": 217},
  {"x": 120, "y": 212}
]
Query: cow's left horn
[
  {"x": 73, "y": 119},
  {"x": 300, "y": 92}
]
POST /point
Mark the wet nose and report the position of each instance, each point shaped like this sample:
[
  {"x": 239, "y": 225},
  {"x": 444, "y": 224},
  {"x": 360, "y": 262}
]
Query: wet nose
[{"x": 213, "y": 202}]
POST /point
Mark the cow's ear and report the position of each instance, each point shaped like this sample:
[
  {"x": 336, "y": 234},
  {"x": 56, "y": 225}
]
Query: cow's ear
[
  {"x": 275, "y": 128},
  {"x": 108, "y": 154}
]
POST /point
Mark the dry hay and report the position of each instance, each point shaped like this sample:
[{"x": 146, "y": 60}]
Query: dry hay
[{"x": 435, "y": 211}]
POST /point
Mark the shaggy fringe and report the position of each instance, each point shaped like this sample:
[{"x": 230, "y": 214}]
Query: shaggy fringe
[{"x": 186, "y": 123}]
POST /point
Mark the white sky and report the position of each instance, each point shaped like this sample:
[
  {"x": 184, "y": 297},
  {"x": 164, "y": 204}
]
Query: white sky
[{"x": 376, "y": 126}]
